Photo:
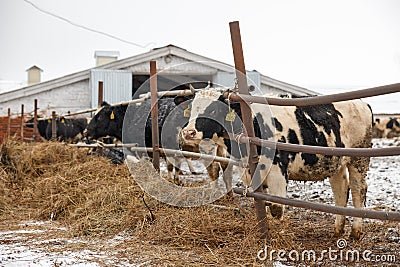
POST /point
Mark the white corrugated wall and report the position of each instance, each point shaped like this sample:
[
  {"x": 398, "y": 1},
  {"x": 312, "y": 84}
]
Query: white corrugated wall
[{"x": 117, "y": 85}]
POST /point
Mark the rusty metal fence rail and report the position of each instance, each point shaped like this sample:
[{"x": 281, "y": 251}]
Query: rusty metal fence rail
[
  {"x": 318, "y": 100},
  {"x": 329, "y": 151}
]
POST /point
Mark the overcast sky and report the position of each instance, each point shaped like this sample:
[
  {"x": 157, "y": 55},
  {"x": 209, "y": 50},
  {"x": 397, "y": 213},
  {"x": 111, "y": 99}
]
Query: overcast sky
[{"x": 326, "y": 46}]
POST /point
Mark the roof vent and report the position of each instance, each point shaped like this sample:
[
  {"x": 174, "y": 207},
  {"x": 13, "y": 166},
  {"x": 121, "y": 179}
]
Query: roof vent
[
  {"x": 104, "y": 57},
  {"x": 34, "y": 73}
]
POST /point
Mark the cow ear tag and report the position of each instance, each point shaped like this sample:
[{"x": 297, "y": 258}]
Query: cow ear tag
[
  {"x": 186, "y": 112},
  {"x": 62, "y": 121},
  {"x": 49, "y": 120},
  {"x": 112, "y": 116},
  {"x": 230, "y": 116}
]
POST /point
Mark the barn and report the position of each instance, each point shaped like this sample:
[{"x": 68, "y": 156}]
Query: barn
[{"x": 122, "y": 79}]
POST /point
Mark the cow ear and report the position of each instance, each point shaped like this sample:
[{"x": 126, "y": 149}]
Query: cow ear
[
  {"x": 182, "y": 102},
  {"x": 180, "y": 99},
  {"x": 104, "y": 104}
]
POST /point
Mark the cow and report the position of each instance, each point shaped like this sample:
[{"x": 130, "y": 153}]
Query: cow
[
  {"x": 343, "y": 124},
  {"x": 67, "y": 130},
  {"x": 386, "y": 128},
  {"x": 41, "y": 126},
  {"x": 109, "y": 121}
]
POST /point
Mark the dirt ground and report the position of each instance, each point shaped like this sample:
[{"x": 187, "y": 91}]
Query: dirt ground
[{"x": 150, "y": 233}]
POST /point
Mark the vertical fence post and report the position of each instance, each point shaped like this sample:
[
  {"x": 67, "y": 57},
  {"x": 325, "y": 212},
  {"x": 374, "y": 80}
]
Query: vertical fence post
[
  {"x": 248, "y": 123},
  {"x": 100, "y": 94},
  {"x": 53, "y": 126},
  {"x": 22, "y": 122},
  {"x": 35, "y": 121},
  {"x": 8, "y": 123},
  {"x": 154, "y": 115}
]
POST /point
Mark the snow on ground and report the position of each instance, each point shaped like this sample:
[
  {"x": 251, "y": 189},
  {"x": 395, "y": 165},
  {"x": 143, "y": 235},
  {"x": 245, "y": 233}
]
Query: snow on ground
[{"x": 29, "y": 247}]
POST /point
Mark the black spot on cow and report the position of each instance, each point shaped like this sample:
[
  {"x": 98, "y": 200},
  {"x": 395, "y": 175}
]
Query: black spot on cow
[
  {"x": 262, "y": 131},
  {"x": 391, "y": 123},
  {"x": 277, "y": 124},
  {"x": 309, "y": 117}
]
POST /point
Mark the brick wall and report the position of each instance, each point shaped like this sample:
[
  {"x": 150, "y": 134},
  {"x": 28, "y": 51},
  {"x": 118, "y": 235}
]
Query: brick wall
[{"x": 15, "y": 129}]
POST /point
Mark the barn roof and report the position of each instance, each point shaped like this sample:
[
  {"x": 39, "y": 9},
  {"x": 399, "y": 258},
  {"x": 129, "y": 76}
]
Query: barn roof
[{"x": 139, "y": 59}]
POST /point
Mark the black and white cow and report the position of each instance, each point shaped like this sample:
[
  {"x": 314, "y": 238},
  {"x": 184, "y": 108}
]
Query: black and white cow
[
  {"x": 67, "y": 130},
  {"x": 109, "y": 121},
  {"x": 343, "y": 124},
  {"x": 386, "y": 128}
]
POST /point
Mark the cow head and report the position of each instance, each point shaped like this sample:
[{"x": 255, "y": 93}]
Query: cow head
[
  {"x": 107, "y": 121},
  {"x": 211, "y": 116}
]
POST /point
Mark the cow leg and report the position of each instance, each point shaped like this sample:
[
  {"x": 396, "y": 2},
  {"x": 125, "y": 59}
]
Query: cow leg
[
  {"x": 173, "y": 170},
  {"x": 276, "y": 183},
  {"x": 178, "y": 170},
  {"x": 190, "y": 165},
  {"x": 358, "y": 168},
  {"x": 170, "y": 169},
  {"x": 213, "y": 172},
  {"x": 340, "y": 188},
  {"x": 227, "y": 176}
]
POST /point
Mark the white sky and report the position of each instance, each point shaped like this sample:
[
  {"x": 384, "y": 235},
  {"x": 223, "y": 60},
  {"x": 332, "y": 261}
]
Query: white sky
[{"x": 326, "y": 46}]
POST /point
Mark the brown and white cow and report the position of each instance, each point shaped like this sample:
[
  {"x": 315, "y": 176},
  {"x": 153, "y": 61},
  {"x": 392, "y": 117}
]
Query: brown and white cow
[{"x": 344, "y": 124}]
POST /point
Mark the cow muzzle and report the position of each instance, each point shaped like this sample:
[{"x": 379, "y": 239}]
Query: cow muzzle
[{"x": 189, "y": 134}]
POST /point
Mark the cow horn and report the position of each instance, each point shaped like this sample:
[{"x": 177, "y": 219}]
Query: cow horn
[
  {"x": 192, "y": 89},
  {"x": 208, "y": 86}
]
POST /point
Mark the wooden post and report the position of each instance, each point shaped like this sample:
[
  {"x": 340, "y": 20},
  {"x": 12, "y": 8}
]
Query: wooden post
[
  {"x": 154, "y": 115},
  {"x": 8, "y": 123},
  {"x": 22, "y": 122},
  {"x": 53, "y": 126},
  {"x": 100, "y": 94},
  {"x": 248, "y": 124},
  {"x": 35, "y": 121}
]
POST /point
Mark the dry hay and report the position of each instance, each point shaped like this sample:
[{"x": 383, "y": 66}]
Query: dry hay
[
  {"x": 51, "y": 180},
  {"x": 95, "y": 198}
]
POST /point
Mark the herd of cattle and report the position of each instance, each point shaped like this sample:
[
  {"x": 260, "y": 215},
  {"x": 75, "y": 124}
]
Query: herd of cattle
[{"x": 200, "y": 123}]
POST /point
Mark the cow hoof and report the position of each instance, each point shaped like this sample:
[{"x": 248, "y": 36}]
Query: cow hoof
[
  {"x": 229, "y": 195},
  {"x": 276, "y": 211},
  {"x": 355, "y": 234},
  {"x": 338, "y": 233}
]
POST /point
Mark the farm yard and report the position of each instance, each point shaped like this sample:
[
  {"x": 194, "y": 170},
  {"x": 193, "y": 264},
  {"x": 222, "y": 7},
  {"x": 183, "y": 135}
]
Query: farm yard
[
  {"x": 160, "y": 155},
  {"x": 62, "y": 207}
]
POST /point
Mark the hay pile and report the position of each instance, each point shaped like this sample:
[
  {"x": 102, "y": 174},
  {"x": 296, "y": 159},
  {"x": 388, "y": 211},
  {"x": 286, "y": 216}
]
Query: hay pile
[
  {"x": 45, "y": 181},
  {"x": 93, "y": 197}
]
